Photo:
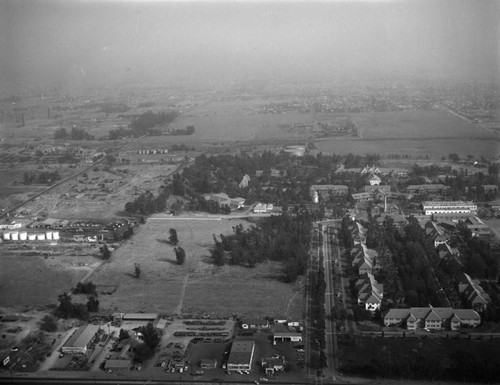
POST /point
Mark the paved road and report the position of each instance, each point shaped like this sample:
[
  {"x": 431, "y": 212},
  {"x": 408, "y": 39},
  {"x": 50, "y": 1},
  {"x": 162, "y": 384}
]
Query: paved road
[{"x": 331, "y": 337}]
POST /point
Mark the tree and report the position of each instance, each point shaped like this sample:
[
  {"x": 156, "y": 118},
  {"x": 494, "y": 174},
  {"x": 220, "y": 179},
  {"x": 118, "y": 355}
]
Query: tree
[
  {"x": 137, "y": 270},
  {"x": 178, "y": 185},
  {"x": 65, "y": 308},
  {"x": 92, "y": 304},
  {"x": 105, "y": 253},
  {"x": 85, "y": 288},
  {"x": 123, "y": 335},
  {"x": 150, "y": 335},
  {"x": 180, "y": 255},
  {"x": 48, "y": 324},
  {"x": 173, "y": 237}
]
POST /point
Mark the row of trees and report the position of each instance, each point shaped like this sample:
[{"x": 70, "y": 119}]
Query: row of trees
[
  {"x": 146, "y": 121},
  {"x": 147, "y": 203},
  {"x": 41, "y": 177},
  {"x": 189, "y": 130},
  {"x": 75, "y": 134},
  {"x": 281, "y": 238}
]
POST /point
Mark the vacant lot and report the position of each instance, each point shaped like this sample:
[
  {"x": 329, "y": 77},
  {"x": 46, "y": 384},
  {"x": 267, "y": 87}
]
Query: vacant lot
[
  {"x": 361, "y": 351},
  {"x": 196, "y": 286},
  {"x": 36, "y": 281}
]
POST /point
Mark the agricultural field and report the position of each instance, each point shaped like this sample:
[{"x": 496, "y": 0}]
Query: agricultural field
[{"x": 196, "y": 286}]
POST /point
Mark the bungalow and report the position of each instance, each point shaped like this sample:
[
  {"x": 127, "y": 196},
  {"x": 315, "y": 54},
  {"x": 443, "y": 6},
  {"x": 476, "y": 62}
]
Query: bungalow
[{"x": 223, "y": 200}]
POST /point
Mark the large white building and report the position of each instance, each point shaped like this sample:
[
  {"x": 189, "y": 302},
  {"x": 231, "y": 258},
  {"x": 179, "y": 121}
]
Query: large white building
[{"x": 441, "y": 207}]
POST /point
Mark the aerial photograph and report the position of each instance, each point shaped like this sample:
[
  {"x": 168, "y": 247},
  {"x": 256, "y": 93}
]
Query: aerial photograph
[{"x": 249, "y": 192}]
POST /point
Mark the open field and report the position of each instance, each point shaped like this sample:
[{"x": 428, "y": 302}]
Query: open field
[
  {"x": 415, "y": 125},
  {"x": 28, "y": 280},
  {"x": 494, "y": 225},
  {"x": 208, "y": 288},
  {"x": 435, "y": 148}
]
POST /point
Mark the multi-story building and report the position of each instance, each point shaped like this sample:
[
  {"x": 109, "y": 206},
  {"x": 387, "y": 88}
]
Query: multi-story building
[{"x": 441, "y": 207}]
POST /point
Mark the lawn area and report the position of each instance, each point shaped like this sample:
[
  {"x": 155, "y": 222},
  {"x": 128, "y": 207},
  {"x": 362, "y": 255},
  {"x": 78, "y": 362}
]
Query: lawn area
[{"x": 219, "y": 290}]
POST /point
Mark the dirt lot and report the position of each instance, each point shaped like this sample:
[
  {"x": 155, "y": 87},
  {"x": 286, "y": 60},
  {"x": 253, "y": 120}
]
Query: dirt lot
[{"x": 208, "y": 288}]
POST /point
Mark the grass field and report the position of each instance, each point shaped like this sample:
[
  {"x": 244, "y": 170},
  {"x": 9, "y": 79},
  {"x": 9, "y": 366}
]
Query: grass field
[
  {"x": 211, "y": 289},
  {"x": 36, "y": 281}
]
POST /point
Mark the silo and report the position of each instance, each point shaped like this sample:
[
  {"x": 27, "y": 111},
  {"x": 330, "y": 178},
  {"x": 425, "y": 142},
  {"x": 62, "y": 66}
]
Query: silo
[
  {"x": 32, "y": 237},
  {"x": 48, "y": 235},
  {"x": 55, "y": 235},
  {"x": 40, "y": 237},
  {"x": 6, "y": 236},
  {"x": 23, "y": 235},
  {"x": 14, "y": 236}
]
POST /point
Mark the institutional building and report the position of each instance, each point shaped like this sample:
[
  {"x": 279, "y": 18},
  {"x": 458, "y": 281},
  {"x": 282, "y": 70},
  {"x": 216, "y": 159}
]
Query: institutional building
[{"x": 441, "y": 207}]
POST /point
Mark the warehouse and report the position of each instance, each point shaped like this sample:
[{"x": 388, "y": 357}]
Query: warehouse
[
  {"x": 80, "y": 340},
  {"x": 241, "y": 356}
]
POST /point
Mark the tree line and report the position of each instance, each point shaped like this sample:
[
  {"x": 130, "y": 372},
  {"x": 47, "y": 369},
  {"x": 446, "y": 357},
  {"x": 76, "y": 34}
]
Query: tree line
[
  {"x": 39, "y": 177},
  {"x": 75, "y": 134}
]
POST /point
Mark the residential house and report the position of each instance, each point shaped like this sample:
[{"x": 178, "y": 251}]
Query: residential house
[
  {"x": 262, "y": 208},
  {"x": 363, "y": 258},
  {"x": 435, "y": 318},
  {"x": 370, "y": 292},
  {"x": 473, "y": 293},
  {"x": 244, "y": 181},
  {"x": 223, "y": 200},
  {"x": 374, "y": 180}
]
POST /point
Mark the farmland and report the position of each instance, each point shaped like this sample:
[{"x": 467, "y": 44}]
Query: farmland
[{"x": 208, "y": 288}]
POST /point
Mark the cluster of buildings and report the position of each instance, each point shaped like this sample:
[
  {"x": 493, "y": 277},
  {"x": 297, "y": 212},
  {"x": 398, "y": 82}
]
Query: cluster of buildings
[
  {"x": 432, "y": 318},
  {"x": 262, "y": 208}
]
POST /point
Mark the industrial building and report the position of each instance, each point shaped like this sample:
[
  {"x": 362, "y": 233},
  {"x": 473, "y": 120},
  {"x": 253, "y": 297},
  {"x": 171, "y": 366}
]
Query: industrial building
[
  {"x": 80, "y": 340},
  {"x": 241, "y": 356}
]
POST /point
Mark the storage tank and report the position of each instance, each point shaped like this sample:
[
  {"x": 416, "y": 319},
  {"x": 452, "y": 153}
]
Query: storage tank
[
  {"x": 23, "y": 235},
  {"x": 14, "y": 236},
  {"x": 32, "y": 237},
  {"x": 6, "y": 236},
  {"x": 40, "y": 237},
  {"x": 55, "y": 235},
  {"x": 48, "y": 235}
]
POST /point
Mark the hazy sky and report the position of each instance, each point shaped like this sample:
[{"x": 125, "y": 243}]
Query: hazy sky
[{"x": 93, "y": 42}]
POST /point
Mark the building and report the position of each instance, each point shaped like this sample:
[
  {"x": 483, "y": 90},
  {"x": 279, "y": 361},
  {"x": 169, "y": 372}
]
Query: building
[
  {"x": 435, "y": 318},
  {"x": 285, "y": 334},
  {"x": 223, "y": 200},
  {"x": 207, "y": 363},
  {"x": 262, "y": 208},
  {"x": 80, "y": 340},
  {"x": 244, "y": 181},
  {"x": 477, "y": 226},
  {"x": 327, "y": 190},
  {"x": 374, "y": 180},
  {"x": 444, "y": 207},
  {"x": 370, "y": 292},
  {"x": 241, "y": 356},
  {"x": 148, "y": 317},
  {"x": 254, "y": 323},
  {"x": 363, "y": 258},
  {"x": 473, "y": 293}
]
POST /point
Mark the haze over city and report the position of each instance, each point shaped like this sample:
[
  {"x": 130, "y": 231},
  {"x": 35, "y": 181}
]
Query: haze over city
[
  {"x": 286, "y": 192},
  {"x": 89, "y": 43}
]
